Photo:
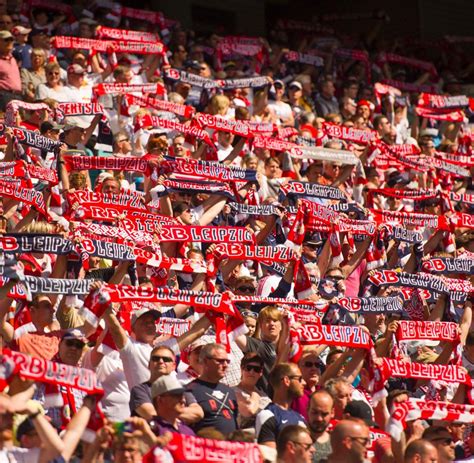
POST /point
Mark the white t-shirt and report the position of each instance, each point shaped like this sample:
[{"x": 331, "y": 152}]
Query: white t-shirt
[
  {"x": 20, "y": 455},
  {"x": 63, "y": 94},
  {"x": 109, "y": 372},
  {"x": 135, "y": 359},
  {"x": 281, "y": 109}
]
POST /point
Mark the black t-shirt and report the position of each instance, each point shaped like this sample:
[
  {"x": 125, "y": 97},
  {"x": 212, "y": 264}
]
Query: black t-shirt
[
  {"x": 139, "y": 395},
  {"x": 219, "y": 404},
  {"x": 265, "y": 350}
]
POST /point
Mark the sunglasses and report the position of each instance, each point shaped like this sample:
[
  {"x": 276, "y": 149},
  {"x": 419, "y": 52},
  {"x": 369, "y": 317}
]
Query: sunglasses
[
  {"x": 245, "y": 289},
  {"x": 53, "y": 73},
  {"x": 75, "y": 343},
  {"x": 158, "y": 358},
  {"x": 335, "y": 277},
  {"x": 255, "y": 368},
  {"x": 312, "y": 364}
]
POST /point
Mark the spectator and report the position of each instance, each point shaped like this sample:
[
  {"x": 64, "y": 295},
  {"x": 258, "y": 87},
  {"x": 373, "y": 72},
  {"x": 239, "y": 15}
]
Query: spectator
[
  {"x": 294, "y": 445},
  {"x": 10, "y": 81}
]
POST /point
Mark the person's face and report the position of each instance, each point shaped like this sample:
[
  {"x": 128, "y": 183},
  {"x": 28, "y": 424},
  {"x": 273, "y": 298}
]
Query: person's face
[
  {"x": 75, "y": 79},
  {"x": 350, "y": 108},
  {"x": 225, "y": 138},
  {"x": 310, "y": 368},
  {"x": 279, "y": 90},
  {"x": 295, "y": 93},
  {"x": 457, "y": 431},
  {"x": 80, "y": 59},
  {"x": 42, "y": 312},
  {"x": 181, "y": 53},
  {"x": 342, "y": 396},
  {"x": 384, "y": 127},
  {"x": 216, "y": 364},
  {"x": 123, "y": 144},
  {"x": 297, "y": 383},
  {"x": 31, "y": 440},
  {"x": 53, "y": 76},
  {"x": 37, "y": 59},
  {"x": 320, "y": 413},
  {"x": 178, "y": 147},
  {"x": 125, "y": 78},
  {"x": 6, "y": 45},
  {"x": 445, "y": 446},
  {"x": 251, "y": 373},
  {"x": 53, "y": 134},
  {"x": 358, "y": 442},
  {"x": 186, "y": 216},
  {"x": 251, "y": 164},
  {"x": 183, "y": 197},
  {"x": 85, "y": 31},
  {"x": 171, "y": 405},
  {"x": 70, "y": 351},
  {"x": 314, "y": 171},
  {"x": 204, "y": 70},
  {"x": 162, "y": 362},
  {"x": 310, "y": 251},
  {"x": 427, "y": 147},
  {"x": 332, "y": 170},
  {"x": 145, "y": 328},
  {"x": 273, "y": 170},
  {"x": 6, "y": 22},
  {"x": 328, "y": 89},
  {"x": 302, "y": 448},
  {"x": 128, "y": 452},
  {"x": 244, "y": 288},
  {"x": 352, "y": 90},
  {"x": 363, "y": 111},
  {"x": 270, "y": 329},
  {"x": 110, "y": 186},
  {"x": 250, "y": 323}
]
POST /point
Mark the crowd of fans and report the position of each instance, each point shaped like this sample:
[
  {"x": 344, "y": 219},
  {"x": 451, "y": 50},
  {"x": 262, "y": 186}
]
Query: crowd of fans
[{"x": 247, "y": 240}]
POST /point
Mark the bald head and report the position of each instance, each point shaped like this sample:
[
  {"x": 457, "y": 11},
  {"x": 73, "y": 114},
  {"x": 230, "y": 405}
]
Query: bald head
[
  {"x": 320, "y": 411},
  {"x": 349, "y": 440},
  {"x": 421, "y": 451}
]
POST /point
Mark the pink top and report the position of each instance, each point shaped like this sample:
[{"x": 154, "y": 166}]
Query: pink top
[
  {"x": 9, "y": 74},
  {"x": 353, "y": 280}
]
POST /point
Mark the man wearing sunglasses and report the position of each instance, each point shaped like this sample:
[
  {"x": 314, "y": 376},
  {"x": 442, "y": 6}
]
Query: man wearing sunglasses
[
  {"x": 218, "y": 400},
  {"x": 288, "y": 384},
  {"x": 441, "y": 438},
  {"x": 295, "y": 445},
  {"x": 349, "y": 441},
  {"x": 162, "y": 363},
  {"x": 10, "y": 81}
]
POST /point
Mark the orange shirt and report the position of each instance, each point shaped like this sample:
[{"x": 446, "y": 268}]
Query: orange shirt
[{"x": 43, "y": 345}]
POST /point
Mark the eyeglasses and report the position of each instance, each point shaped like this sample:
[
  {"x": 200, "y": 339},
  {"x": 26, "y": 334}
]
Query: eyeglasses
[
  {"x": 309, "y": 364},
  {"x": 245, "y": 289},
  {"x": 298, "y": 378},
  {"x": 75, "y": 343},
  {"x": 444, "y": 440},
  {"x": 53, "y": 73},
  {"x": 336, "y": 277},
  {"x": 158, "y": 358},
  {"x": 220, "y": 361},
  {"x": 306, "y": 447},
  {"x": 311, "y": 246},
  {"x": 362, "y": 440},
  {"x": 255, "y": 368}
]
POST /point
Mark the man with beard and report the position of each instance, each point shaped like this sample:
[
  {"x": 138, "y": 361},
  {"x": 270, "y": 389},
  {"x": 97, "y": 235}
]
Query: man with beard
[
  {"x": 288, "y": 384},
  {"x": 349, "y": 442},
  {"x": 320, "y": 414},
  {"x": 441, "y": 438}
]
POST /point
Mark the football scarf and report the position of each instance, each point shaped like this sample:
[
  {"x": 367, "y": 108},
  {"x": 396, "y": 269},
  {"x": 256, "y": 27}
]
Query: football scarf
[
  {"x": 206, "y": 234},
  {"x": 122, "y": 89},
  {"x": 104, "y": 32},
  {"x": 32, "y": 139},
  {"x": 162, "y": 105},
  {"x": 446, "y": 265},
  {"x": 298, "y": 189},
  {"x": 304, "y": 58},
  {"x": 105, "y": 163},
  {"x": 371, "y": 304},
  {"x": 350, "y": 134},
  {"x": 409, "y": 62}
]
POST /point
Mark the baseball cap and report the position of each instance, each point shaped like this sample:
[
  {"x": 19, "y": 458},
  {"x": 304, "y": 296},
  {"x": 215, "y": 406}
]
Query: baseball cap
[
  {"x": 75, "y": 334},
  {"x": 397, "y": 179},
  {"x": 75, "y": 69},
  {"x": 430, "y": 132},
  {"x": 193, "y": 64},
  {"x": 50, "y": 125},
  {"x": 279, "y": 82},
  {"x": 297, "y": 84},
  {"x": 20, "y": 30},
  {"x": 144, "y": 309},
  {"x": 362, "y": 410},
  {"x": 6, "y": 35},
  {"x": 72, "y": 123},
  {"x": 166, "y": 384}
]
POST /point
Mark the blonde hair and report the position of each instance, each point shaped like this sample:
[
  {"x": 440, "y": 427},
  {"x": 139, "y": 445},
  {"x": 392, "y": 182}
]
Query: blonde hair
[
  {"x": 270, "y": 312},
  {"x": 219, "y": 104},
  {"x": 40, "y": 227}
]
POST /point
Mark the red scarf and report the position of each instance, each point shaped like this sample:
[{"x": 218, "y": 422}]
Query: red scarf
[{"x": 104, "y": 32}]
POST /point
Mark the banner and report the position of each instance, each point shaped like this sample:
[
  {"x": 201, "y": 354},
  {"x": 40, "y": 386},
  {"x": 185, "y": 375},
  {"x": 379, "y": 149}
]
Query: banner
[{"x": 46, "y": 371}]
